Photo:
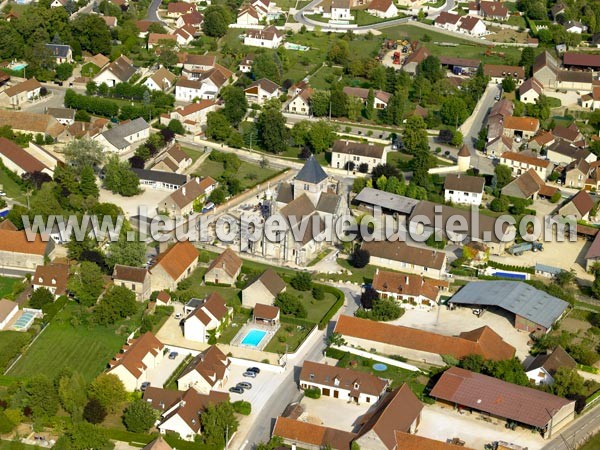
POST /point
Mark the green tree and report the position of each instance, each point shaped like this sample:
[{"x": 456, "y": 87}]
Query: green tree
[
  {"x": 64, "y": 71},
  {"x": 596, "y": 285},
  {"x": 82, "y": 153},
  {"x": 565, "y": 277},
  {"x": 384, "y": 309},
  {"x": 40, "y": 395},
  {"x": 339, "y": 53},
  {"x": 290, "y": 305},
  {"x": 272, "y": 132},
  {"x": 431, "y": 69},
  {"x": 218, "y": 196},
  {"x": 217, "y": 422},
  {"x": 567, "y": 382},
  {"x": 269, "y": 66},
  {"x": 457, "y": 139},
  {"x": 126, "y": 253},
  {"x": 139, "y": 417},
  {"x": 119, "y": 178},
  {"x": 509, "y": 84},
  {"x": 473, "y": 362},
  {"x": 118, "y": 303},
  {"x": 44, "y": 203},
  {"x": 216, "y": 21},
  {"x": 176, "y": 127},
  {"x": 500, "y": 204},
  {"x": 94, "y": 412},
  {"x": 236, "y": 104},
  {"x": 454, "y": 111},
  {"x": 415, "y": 135},
  {"x": 92, "y": 34},
  {"x": 321, "y": 136},
  {"x": 83, "y": 436},
  {"x": 72, "y": 394},
  {"x": 320, "y": 101},
  {"x": 503, "y": 175},
  {"x": 527, "y": 59},
  {"x": 109, "y": 391},
  {"x": 86, "y": 283},
  {"x": 87, "y": 183},
  {"x": 217, "y": 126},
  {"x": 302, "y": 281},
  {"x": 40, "y": 298},
  {"x": 370, "y": 105}
]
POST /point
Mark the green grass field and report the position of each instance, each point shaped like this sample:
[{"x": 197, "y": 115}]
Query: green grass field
[
  {"x": 70, "y": 343},
  {"x": 316, "y": 309},
  {"x": 323, "y": 78},
  {"x": 289, "y": 334},
  {"x": 194, "y": 154},
  {"x": 592, "y": 444},
  {"x": 11, "y": 343},
  {"x": 12, "y": 189},
  {"x": 249, "y": 174},
  {"x": 7, "y": 285},
  {"x": 89, "y": 70}
]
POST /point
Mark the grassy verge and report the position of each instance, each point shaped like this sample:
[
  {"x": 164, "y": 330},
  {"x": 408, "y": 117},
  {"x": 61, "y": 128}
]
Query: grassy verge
[
  {"x": 364, "y": 275},
  {"x": 7, "y": 285},
  {"x": 194, "y": 154},
  {"x": 12, "y": 189},
  {"x": 592, "y": 444}
]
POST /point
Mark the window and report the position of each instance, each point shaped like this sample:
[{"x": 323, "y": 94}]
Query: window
[{"x": 133, "y": 286}]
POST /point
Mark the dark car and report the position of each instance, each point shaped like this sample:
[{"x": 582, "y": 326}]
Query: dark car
[
  {"x": 173, "y": 355},
  {"x": 244, "y": 385},
  {"x": 145, "y": 385},
  {"x": 254, "y": 369},
  {"x": 236, "y": 390}
]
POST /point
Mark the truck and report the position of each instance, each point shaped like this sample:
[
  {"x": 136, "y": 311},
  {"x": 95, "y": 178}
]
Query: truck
[
  {"x": 519, "y": 249},
  {"x": 396, "y": 57}
]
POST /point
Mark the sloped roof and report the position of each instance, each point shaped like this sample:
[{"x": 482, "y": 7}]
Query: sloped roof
[
  {"x": 311, "y": 172},
  {"x": 129, "y": 273},
  {"x": 464, "y": 183},
  {"x": 264, "y": 84},
  {"x": 499, "y": 70},
  {"x": 268, "y": 312},
  {"x": 405, "y": 284},
  {"x": 343, "y": 378},
  {"x": 401, "y": 251},
  {"x": 133, "y": 353},
  {"x": 421, "y": 54},
  {"x": 17, "y": 242},
  {"x": 6, "y": 307},
  {"x": 522, "y": 123},
  {"x": 311, "y": 434},
  {"x": 328, "y": 202},
  {"x": 116, "y": 136},
  {"x": 25, "y": 86},
  {"x": 368, "y": 150},
  {"x": 270, "y": 280},
  {"x": 553, "y": 361},
  {"x": 228, "y": 261},
  {"x": 158, "y": 444},
  {"x": 52, "y": 275},
  {"x": 189, "y": 192},
  {"x": 380, "y": 5},
  {"x": 122, "y": 68},
  {"x": 32, "y": 122},
  {"x": 176, "y": 260},
  {"x": 583, "y": 202},
  {"x": 413, "y": 442},
  {"x": 211, "y": 364},
  {"x": 530, "y": 160},
  {"x": 20, "y": 157}
]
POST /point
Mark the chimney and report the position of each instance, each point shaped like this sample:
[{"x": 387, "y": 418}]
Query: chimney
[
  {"x": 406, "y": 279},
  {"x": 197, "y": 180},
  {"x": 184, "y": 191}
]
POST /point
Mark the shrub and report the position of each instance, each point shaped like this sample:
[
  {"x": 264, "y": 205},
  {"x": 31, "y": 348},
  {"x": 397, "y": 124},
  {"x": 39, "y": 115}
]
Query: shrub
[
  {"x": 360, "y": 258},
  {"x": 312, "y": 393},
  {"x": 318, "y": 293},
  {"x": 290, "y": 305},
  {"x": 139, "y": 416},
  {"x": 242, "y": 407},
  {"x": 94, "y": 412},
  {"x": 302, "y": 281}
]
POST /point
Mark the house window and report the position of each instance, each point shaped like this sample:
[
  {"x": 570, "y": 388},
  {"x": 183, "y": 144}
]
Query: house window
[{"x": 133, "y": 286}]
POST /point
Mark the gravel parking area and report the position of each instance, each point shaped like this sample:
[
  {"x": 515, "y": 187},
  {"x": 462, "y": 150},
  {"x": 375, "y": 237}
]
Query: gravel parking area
[
  {"x": 442, "y": 422},
  {"x": 333, "y": 413},
  {"x": 149, "y": 198},
  {"x": 158, "y": 376},
  {"x": 451, "y": 323}
]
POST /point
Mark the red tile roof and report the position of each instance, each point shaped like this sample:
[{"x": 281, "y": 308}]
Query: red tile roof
[
  {"x": 228, "y": 261},
  {"x": 176, "y": 260},
  {"x": 134, "y": 352},
  {"x": 19, "y": 156},
  {"x": 17, "y": 242},
  {"x": 313, "y": 435}
]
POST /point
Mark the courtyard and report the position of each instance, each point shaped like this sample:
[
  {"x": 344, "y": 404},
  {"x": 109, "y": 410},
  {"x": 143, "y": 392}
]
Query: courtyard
[{"x": 333, "y": 413}]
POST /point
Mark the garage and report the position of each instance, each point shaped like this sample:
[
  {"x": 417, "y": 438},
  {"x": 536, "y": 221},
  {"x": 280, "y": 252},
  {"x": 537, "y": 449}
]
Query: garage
[{"x": 326, "y": 392}]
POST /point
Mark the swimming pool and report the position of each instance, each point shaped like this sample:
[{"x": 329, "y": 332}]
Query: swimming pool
[
  {"x": 253, "y": 338},
  {"x": 379, "y": 367},
  {"x": 18, "y": 67},
  {"x": 24, "y": 321},
  {"x": 514, "y": 276}
]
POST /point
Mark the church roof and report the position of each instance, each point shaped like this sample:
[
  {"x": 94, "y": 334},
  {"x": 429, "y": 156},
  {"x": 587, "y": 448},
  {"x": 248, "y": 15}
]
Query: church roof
[{"x": 312, "y": 172}]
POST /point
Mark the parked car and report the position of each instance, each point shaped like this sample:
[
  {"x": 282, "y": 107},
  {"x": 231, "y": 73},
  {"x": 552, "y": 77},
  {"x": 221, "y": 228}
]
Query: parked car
[
  {"x": 173, "y": 355},
  {"x": 144, "y": 386},
  {"x": 236, "y": 390},
  {"x": 256, "y": 370},
  {"x": 2, "y": 194},
  {"x": 249, "y": 374},
  {"x": 178, "y": 316},
  {"x": 244, "y": 385}
]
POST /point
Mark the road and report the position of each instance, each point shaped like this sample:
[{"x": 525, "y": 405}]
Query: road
[
  {"x": 570, "y": 437},
  {"x": 152, "y": 14}
]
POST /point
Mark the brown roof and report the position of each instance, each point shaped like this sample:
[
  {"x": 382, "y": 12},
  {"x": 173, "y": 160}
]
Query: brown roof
[
  {"x": 268, "y": 34},
  {"x": 575, "y": 77},
  {"x": 6, "y": 307},
  {"x": 421, "y": 54},
  {"x": 270, "y": 280},
  {"x": 529, "y": 84},
  {"x": 28, "y": 85},
  {"x": 570, "y": 133},
  {"x": 545, "y": 59},
  {"x": 499, "y": 398},
  {"x": 228, "y": 261},
  {"x": 380, "y": 5},
  {"x": 264, "y": 84},
  {"x": 405, "y": 284},
  {"x": 191, "y": 190},
  {"x": 551, "y": 362},
  {"x": 211, "y": 364},
  {"x": 581, "y": 59},
  {"x": 17, "y": 242},
  {"x": 455, "y": 61},
  {"x": 465, "y": 183},
  {"x": 215, "y": 305},
  {"x": 482, "y": 341},
  {"x": 122, "y": 68},
  {"x": 158, "y": 444},
  {"x": 268, "y": 312},
  {"x": 494, "y": 9},
  {"x": 162, "y": 74},
  {"x": 33, "y": 122},
  {"x": 367, "y": 150},
  {"x": 7, "y": 225},
  {"x": 522, "y": 123},
  {"x": 352, "y": 380},
  {"x": 583, "y": 202},
  {"x": 129, "y": 273},
  {"x": 143, "y": 25},
  {"x": 163, "y": 296},
  {"x": 200, "y": 60},
  {"x": 176, "y": 260},
  {"x": 543, "y": 137},
  {"x": 446, "y": 17},
  {"x": 468, "y": 22},
  {"x": 528, "y": 183},
  {"x": 396, "y": 411},
  {"x": 401, "y": 251},
  {"x": 531, "y": 160},
  {"x": 363, "y": 93},
  {"x": 133, "y": 353},
  {"x": 464, "y": 151},
  {"x": 180, "y": 7},
  {"x": 311, "y": 434},
  {"x": 498, "y": 70},
  {"x": 195, "y": 107},
  {"x": 20, "y": 157},
  {"x": 155, "y": 38},
  {"x": 177, "y": 154},
  {"x": 52, "y": 275},
  {"x": 414, "y": 442}
]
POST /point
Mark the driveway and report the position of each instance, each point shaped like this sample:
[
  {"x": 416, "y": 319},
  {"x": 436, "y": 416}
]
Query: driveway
[
  {"x": 149, "y": 198},
  {"x": 452, "y": 323},
  {"x": 158, "y": 376},
  {"x": 262, "y": 386},
  {"x": 153, "y": 12},
  {"x": 470, "y": 129},
  {"x": 333, "y": 413}
]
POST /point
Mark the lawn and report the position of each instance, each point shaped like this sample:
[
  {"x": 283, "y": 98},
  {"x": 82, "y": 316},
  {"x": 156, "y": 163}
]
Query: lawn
[
  {"x": 16, "y": 445},
  {"x": 592, "y": 444},
  {"x": 323, "y": 78},
  {"x": 249, "y": 174},
  {"x": 292, "y": 335},
  {"x": 12, "y": 189},
  {"x": 194, "y": 154},
  {"x": 239, "y": 319},
  {"x": 197, "y": 290},
  {"x": 89, "y": 70},
  {"x": 11, "y": 343},
  {"x": 316, "y": 309},
  {"x": 7, "y": 285},
  {"x": 72, "y": 341}
]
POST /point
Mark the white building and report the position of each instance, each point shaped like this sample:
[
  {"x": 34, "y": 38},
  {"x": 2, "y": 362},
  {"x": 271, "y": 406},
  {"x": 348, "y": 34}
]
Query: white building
[
  {"x": 118, "y": 71},
  {"x": 300, "y": 103},
  {"x": 384, "y": 9},
  {"x": 120, "y": 138},
  {"x": 262, "y": 91},
  {"x": 464, "y": 189},
  {"x": 340, "y": 10},
  {"x": 192, "y": 116},
  {"x": 207, "y": 371},
  {"x": 544, "y": 366},
  {"x": 161, "y": 80},
  {"x": 207, "y": 319},
  {"x": 520, "y": 163},
  {"x": 8, "y": 310},
  {"x": 270, "y": 37},
  {"x": 408, "y": 290},
  {"x": 530, "y": 90},
  {"x": 353, "y": 156}
]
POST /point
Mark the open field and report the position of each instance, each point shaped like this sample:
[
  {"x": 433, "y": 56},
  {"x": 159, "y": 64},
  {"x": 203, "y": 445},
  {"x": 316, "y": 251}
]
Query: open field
[
  {"x": 249, "y": 174},
  {"x": 70, "y": 342},
  {"x": 6, "y": 285}
]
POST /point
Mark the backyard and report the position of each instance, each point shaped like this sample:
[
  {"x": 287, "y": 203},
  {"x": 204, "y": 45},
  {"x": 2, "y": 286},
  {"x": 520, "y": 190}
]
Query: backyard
[
  {"x": 249, "y": 174},
  {"x": 11, "y": 343},
  {"x": 194, "y": 154},
  {"x": 12, "y": 189},
  {"x": 290, "y": 335},
  {"x": 7, "y": 285},
  {"x": 73, "y": 341},
  {"x": 316, "y": 308}
]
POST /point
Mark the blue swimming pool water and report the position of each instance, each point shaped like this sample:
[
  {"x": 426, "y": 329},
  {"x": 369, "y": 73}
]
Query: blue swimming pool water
[
  {"x": 515, "y": 276},
  {"x": 379, "y": 367},
  {"x": 253, "y": 338},
  {"x": 18, "y": 67}
]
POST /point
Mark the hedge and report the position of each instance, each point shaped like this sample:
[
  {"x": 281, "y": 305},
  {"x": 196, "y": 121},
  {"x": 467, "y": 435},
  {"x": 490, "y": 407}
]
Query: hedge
[
  {"x": 144, "y": 438},
  {"x": 497, "y": 265},
  {"x": 312, "y": 393},
  {"x": 242, "y": 407},
  {"x": 334, "y": 353},
  {"x": 334, "y": 308},
  {"x": 296, "y": 321},
  {"x": 51, "y": 309}
]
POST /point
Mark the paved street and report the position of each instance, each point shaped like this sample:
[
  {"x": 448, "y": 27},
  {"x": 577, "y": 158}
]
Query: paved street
[
  {"x": 571, "y": 437},
  {"x": 153, "y": 11}
]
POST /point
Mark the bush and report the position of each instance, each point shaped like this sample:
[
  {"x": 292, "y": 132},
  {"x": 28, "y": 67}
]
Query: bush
[
  {"x": 242, "y": 407},
  {"x": 312, "y": 393},
  {"x": 139, "y": 416},
  {"x": 318, "y": 293},
  {"x": 302, "y": 281},
  {"x": 290, "y": 305},
  {"x": 94, "y": 412},
  {"x": 360, "y": 258},
  {"x": 40, "y": 298},
  {"x": 334, "y": 308},
  {"x": 383, "y": 310}
]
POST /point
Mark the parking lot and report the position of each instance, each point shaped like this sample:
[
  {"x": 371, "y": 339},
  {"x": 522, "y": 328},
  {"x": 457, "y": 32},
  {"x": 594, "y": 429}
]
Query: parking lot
[
  {"x": 451, "y": 323},
  {"x": 442, "y": 423},
  {"x": 158, "y": 376},
  {"x": 262, "y": 386},
  {"x": 333, "y": 412},
  {"x": 149, "y": 199}
]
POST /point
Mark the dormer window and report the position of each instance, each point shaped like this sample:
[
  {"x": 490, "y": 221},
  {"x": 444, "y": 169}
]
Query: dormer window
[
  {"x": 40, "y": 280},
  {"x": 53, "y": 280},
  {"x": 356, "y": 385},
  {"x": 336, "y": 381},
  {"x": 312, "y": 376}
]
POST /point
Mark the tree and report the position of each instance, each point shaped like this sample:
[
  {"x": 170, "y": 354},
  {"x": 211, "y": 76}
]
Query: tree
[
  {"x": 272, "y": 132},
  {"x": 339, "y": 53},
  {"x": 509, "y": 84},
  {"x": 217, "y": 126},
  {"x": 555, "y": 197},
  {"x": 454, "y": 111},
  {"x": 317, "y": 292},
  {"x": 360, "y": 258},
  {"x": 176, "y": 127},
  {"x": 431, "y": 69},
  {"x": 415, "y": 135},
  {"x": 92, "y": 34},
  {"x": 119, "y": 178},
  {"x": 370, "y": 105},
  {"x": 218, "y": 196},
  {"x": 72, "y": 393},
  {"x": 368, "y": 298},
  {"x": 336, "y": 339},
  {"x": 86, "y": 283},
  {"x": 64, "y": 71},
  {"x": 302, "y": 281},
  {"x": 472, "y": 362},
  {"x": 218, "y": 421},
  {"x": 94, "y": 412},
  {"x": 321, "y": 136},
  {"x": 290, "y": 305},
  {"x": 503, "y": 175},
  {"x": 596, "y": 285},
  {"x": 567, "y": 382},
  {"x": 109, "y": 391},
  {"x": 45, "y": 203},
  {"x": 87, "y": 183},
  {"x": 83, "y": 436},
  {"x": 126, "y": 253},
  {"x": 320, "y": 101},
  {"x": 236, "y": 104},
  {"x": 40, "y": 298},
  {"x": 82, "y": 153},
  {"x": 384, "y": 309},
  {"x": 40, "y": 396},
  {"x": 500, "y": 204},
  {"x": 118, "y": 303},
  {"x": 565, "y": 277},
  {"x": 139, "y": 417},
  {"x": 216, "y": 21},
  {"x": 269, "y": 66}
]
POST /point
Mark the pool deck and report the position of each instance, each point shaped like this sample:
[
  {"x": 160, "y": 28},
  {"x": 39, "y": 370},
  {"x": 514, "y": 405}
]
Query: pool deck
[{"x": 250, "y": 325}]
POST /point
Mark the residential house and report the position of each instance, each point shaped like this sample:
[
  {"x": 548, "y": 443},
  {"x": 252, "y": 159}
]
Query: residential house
[
  {"x": 543, "y": 367},
  {"x": 64, "y": 116},
  {"x": 194, "y": 66},
  {"x": 519, "y": 404},
  {"x": 193, "y": 116},
  {"x": 193, "y": 19},
  {"x": 501, "y": 109},
  {"x": 564, "y": 153},
  {"x": 185, "y": 35},
  {"x": 118, "y": 71},
  {"x": 53, "y": 277},
  {"x": 570, "y": 134},
  {"x": 207, "y": 320},
  {"x": 579, "y": 206},
  {"x": 354, "y": 156},
  {"x": 60, "y": 53},
  {"x": 528, "y": 185},
  {"x": 592, "y": 256},
  {"x": 520, "y": 163},
  {"x": 136, "y": 279},
  {"x": 120, "y": 138},
  {"x": 498, "y": 72},
  {"x": 575, "y": 174},
  {"x": 340, "y": 10},
  {"x": 177, "y": 9},
  {"x": 385, "y": 9},
  {"x": 181, "y": 412},
  {"x": 270, "y": 37},
  {"x": 262, "y": 91},
  {"x": 173, "y": 265},
  {"x": 408, "y": 290},
  {"x": 245, "y": 65},
  {"x": 205, "y": 87},
  {"x": 8, "y": 311},
  {"x": 98, "y": 60},
  {"x": 161, "y": 80},
  {"x": 21, "y": 255},
  {"x": 399, "y": 255},
  {"x": 464, "y": 189},
  {"x": 110, "y": 21},
  {"x": 155, "y": 39},
  {"x": 412, "y": 61},
  {"x": 263, "y": 289},
  {"x": 194, "y": 192},
  {"x": 413, "y": 441},
  {"x": 498, "y": 146},
  {"x": 155, "y": 179},
  {"x": 461, "y": 24},
  {"x": 20, "y": 94},
  {"x": 575, "y": 80},
  {"x": 19, "y": 160},
  {"x": 306, "y": 435},
  {"x": 207, "y": 371},
  {"x": 574, "y": 26},
  {"x": 174, "y": 159},
  {"x": 493, "y": 11},
  {"x": 557, "y": 10},
  {"x": 342, "y": 383},
  {"x": 266, "y": 314},
  {"x": 380, "y": 99},
  {"x": 248, "y": 15},
  {"x": 300, "y": 103},
  {"x": 58, "y": 3},
  {"x": 137, "y": 357},
  {"x": 530, "y": 90},
  {"x": 224, "y": 269},
  {"x": 545, "y": 69},
  {"x": 520, "y": 127},
  {"x": 540, "y": 141}
]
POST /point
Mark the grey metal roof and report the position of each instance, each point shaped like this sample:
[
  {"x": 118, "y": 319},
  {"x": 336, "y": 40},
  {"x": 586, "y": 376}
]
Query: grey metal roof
[
  {"x": 160, "y": 176},
  {"x": 312, "y": 172},
  {"x": 285, "y": 193},
  {"x": 59, "y": 50},
  {"x": 386, "y": 200},
  {"x": 548, "y": 269},
  {"x": 116, "y": 136},
  {"x": 513, "y": 296},
  {"x": 194, "y": 303}
]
